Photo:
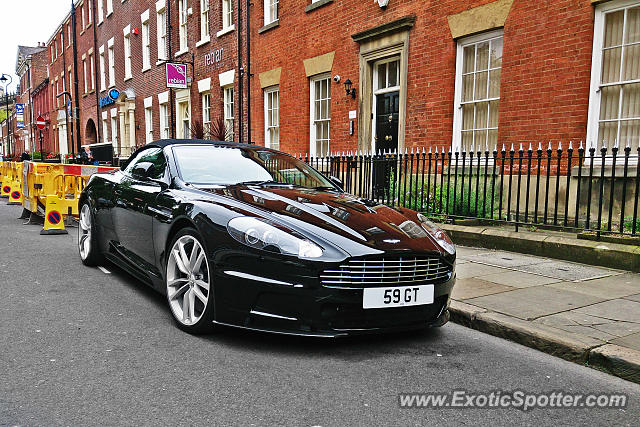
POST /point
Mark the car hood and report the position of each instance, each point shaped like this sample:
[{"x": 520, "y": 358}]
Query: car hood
[{"x": 327, "y": 213}]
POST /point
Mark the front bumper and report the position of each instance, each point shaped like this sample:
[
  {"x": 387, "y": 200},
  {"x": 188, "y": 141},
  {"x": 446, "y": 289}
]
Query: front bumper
[{"x": 290, "y": 299}]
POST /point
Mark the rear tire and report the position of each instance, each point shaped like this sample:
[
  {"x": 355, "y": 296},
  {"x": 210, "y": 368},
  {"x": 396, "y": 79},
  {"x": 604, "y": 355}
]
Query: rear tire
[
  {"x": 87, "y": 237},
  {"x": 188, "y": 283}
]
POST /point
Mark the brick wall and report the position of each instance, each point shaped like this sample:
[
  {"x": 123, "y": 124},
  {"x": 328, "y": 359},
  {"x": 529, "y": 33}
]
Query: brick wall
[{"x": 545, "y": 75}]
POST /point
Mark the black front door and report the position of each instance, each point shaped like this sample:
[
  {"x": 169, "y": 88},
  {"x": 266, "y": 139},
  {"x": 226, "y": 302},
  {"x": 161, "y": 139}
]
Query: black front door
[{"x": 387, "y": 115}]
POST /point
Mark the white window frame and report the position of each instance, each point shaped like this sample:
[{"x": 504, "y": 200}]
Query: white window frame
[
  {"x": 92, "y": 70},
  {"x": 105, "y": 127},
  {"x": 165, "y": 125},
  {"x": 103, "y": 78},
  {"x": 596, "y": 72},
  {"x": 228, "y": 94},
  {"x": 161, "y": 21},
  {"x": 269, "y": 18},
  {"x": 267, "y": 139},
  {"x": 89, "y": 13},
  {"x": 109, "y": 7},
  {"x": 114, "y": 127},
  {"x": 148, "y": 119},
  {"x": 183, "y": 33},
  {"x": 84, "y": 75},
  {"x": 82, "y": 13},
  {"x": 100, "y": 11},
  {"x": 227, "y": 14},
  {"x": 112, "y": 63},
  {"x": 312, "y": 109},
  {"x": 146, "y": 41},
  {"x": 126, "y": 41},
  {"x": 457, "y": 110},
  {"x": 206, "y": 109},
  {"x": 204, "y": 20}
]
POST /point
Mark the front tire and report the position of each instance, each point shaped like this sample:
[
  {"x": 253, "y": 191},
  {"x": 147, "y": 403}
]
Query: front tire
[
  {"x": 87, "y": 237},
  {"x": 188, "y": 283}
]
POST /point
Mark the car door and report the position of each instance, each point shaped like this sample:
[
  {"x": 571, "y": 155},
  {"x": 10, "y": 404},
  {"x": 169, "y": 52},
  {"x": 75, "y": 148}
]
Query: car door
[{"x": 136, "y": 193}]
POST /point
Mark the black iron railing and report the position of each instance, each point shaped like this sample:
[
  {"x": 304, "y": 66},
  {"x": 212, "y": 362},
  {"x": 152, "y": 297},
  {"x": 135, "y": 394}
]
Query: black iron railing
[{"x": 592, "y": 189}]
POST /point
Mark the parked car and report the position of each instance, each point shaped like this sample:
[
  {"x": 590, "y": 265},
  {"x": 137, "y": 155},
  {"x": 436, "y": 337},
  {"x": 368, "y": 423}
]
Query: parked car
[{"x": 251, "y": 237}]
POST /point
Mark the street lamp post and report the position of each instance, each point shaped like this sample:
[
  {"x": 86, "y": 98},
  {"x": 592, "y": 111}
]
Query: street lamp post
[{"x": 4, "y": 80}]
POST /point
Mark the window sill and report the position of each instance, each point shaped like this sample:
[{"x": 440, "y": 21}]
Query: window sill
[
  {"x": 180, "y": 52},
  {"x": 145, "y": 69},
  {"x": 84, "y": 95},
  {"x": 267, "y": 27},
  {"x": 109, "y": 14},
  {"x": 126, "y": 79},
  {"x": 204, "y": 41},
  {"x": 227, "y": 30},
  {"x": 316, "y": 5},
  {"x": 161, "y": 61},
  {"x": 100, "y": 22}
]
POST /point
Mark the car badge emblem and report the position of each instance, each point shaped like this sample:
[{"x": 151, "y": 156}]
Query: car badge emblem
[{"x": 392, "y": 241}]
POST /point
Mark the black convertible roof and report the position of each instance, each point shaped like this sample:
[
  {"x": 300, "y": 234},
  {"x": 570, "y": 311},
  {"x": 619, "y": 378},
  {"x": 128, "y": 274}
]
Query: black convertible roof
[{"x": 165, "y": 142}]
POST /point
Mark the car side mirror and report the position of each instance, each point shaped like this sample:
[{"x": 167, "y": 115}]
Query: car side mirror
[
  {"x": 336, "y": 181},
  {"x": 140, "y": 172}
]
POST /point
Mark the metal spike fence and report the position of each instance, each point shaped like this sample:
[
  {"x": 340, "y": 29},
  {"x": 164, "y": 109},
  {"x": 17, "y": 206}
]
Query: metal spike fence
[{"x": 583, "y": 189}]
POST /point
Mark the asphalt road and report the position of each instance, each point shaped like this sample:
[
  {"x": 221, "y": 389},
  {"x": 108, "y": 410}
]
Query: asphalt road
[{"x": 81, "y": 347}]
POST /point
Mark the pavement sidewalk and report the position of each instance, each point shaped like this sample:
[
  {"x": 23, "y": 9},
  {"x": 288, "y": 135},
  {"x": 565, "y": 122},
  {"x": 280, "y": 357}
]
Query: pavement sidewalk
[{"x": 586, "y": 314}]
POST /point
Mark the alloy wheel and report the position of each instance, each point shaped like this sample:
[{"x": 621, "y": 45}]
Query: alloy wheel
[
  {"x": 188, "y": 281},
  {"x": 84, "y": 232}
]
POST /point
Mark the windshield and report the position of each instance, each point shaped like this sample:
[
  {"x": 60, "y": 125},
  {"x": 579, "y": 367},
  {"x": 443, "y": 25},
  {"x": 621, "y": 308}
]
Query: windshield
[{"x": 211, "y": 165}]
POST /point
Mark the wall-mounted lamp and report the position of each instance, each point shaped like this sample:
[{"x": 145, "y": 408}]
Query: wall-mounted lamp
[{"x": 348, "y": 89}]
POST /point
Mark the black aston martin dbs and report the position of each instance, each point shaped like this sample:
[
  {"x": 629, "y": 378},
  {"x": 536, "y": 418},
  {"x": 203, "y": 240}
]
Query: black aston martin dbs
[{"x": 250, "y": 237}]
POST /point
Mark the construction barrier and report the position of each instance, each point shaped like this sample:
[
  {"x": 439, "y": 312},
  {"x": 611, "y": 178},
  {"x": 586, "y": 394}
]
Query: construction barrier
[
  {"x": 12, "y": 182},
  {"x": 52, "y": 191}
]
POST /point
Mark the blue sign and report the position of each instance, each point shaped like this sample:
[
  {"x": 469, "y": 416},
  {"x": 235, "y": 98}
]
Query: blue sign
[
  {"x": 20, "y": 116},
  {"x": 111, "y": 98}
]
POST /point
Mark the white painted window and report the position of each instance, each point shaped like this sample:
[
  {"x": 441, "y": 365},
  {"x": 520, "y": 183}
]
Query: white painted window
[
  {"x": 92, "y": 71},
  {"x": 89, "y": 12},
  {"x": 184, "y": 120},
  {"x": 103, "y": 82},
  {"x": 272, "y": 117},
  {"x": 112, "y": 64},
  {"x": 320, "y": 116},
  {"x": 68, "y": 35},
  {"x": 105, "y": 127},
  {"x": 109, "y": 7},
  {"x": 114, "y": 130},
  {"x": 227, "y": 14},
  {"x": 161, "y": 18},
  {"x": 204, "y": 19},
  {"x": 82, "y": 13},
  {"x": 148, "y": 123},
  {"x": 146, "y": 43},
  {"x": 182, "y": 24},
  {"x": 228, "y": 112},
  {"x": 85, "y": 81},
  {"x": 165, "y": 126},
  {"x": 127, "y": 53},
  {"x": 206, "y": 111},
  {"x": 270, "y": 11},
  {"x": 614, "y": 104},
  {"x": 477, "y": 93},
  {"x": 100, "y": 11}
]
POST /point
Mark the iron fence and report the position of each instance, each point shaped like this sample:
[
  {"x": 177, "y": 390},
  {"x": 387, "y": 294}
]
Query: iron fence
[{"x": 594, "y": 189}]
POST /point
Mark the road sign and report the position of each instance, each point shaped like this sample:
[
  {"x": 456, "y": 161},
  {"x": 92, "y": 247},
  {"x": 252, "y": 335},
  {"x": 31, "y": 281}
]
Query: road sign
[
  {"x": 20, "y": 116},
  {"x": 40, "y": 122}
]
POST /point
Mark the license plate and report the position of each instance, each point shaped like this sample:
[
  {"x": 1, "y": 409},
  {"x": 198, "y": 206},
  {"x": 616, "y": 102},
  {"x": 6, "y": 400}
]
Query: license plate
[{"x": 399, "y": 296}]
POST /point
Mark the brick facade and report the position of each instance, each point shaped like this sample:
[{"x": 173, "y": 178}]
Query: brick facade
[{"x": 545, "y": 78}]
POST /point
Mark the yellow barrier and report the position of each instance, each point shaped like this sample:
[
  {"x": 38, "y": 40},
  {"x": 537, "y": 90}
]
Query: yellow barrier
[
  {"x": 52, "y": 191},
  {"x": 5, "y": 179},
  {"x": 12, "y": 182}
]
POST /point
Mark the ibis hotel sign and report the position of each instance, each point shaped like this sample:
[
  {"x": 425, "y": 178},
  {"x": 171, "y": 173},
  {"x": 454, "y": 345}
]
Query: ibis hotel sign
[{"x": 176, "y": 75}]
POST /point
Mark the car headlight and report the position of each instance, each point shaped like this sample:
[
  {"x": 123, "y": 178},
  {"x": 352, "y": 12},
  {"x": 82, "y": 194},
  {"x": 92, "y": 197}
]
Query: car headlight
[
  {"x": 259, "y": 234},
  {"x": 438, "y": 234}
]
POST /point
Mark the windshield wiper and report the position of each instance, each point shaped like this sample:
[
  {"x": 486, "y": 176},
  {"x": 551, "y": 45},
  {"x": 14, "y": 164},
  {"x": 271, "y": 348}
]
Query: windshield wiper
[{"x": 263, "y": 182}]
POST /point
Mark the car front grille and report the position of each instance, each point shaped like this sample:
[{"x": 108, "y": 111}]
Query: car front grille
[{"x": 388, "y": 271}]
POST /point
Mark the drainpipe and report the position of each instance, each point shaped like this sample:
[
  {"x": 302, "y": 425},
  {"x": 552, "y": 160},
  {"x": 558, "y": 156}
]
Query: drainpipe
[
  {"x": 248, "y": 6},
  {"x": 240, "y": 77},
  {"x": 76, "y": 110}
]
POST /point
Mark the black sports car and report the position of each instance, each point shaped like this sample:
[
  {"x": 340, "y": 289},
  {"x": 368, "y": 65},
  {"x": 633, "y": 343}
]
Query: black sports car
[{"x": 246, "y": 236}]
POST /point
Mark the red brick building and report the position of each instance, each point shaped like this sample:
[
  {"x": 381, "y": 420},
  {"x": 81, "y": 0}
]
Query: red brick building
[
  {"x": 121, "y": 48},
  {"x": 435, "y": 74},
  {"x": 31, "y": 68}
]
